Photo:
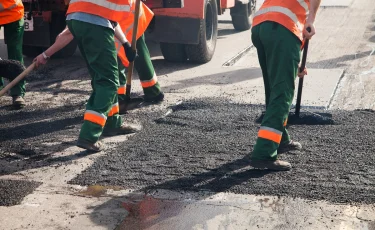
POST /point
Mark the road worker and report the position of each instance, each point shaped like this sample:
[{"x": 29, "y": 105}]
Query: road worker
[
  {"x": 92, "y": 24},
  {"x": 12, "y": 20},
  {"x": 279, "y": 29},
  {"x": 143, "y": 64}
]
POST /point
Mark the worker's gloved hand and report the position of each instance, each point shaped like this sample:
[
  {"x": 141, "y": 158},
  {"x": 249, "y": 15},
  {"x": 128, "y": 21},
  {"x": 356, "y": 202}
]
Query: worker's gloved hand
[{"x": 130, "y": 53}]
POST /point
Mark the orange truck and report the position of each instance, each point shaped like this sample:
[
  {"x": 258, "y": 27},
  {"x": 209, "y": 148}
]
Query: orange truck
[{"x": 186, "y": 29}]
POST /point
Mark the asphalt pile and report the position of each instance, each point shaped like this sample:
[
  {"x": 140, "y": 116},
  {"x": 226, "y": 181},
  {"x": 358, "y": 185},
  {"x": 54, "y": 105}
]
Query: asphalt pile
[
  {"x": 10, "y": 69},
  {"x": 204, "y": 145},
  {"x": 12, "y": 192}
]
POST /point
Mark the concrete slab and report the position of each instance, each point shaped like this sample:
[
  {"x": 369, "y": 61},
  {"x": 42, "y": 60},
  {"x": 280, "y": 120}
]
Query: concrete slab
[
  {"x": 319, "y": 84},
  {"x": 336, "y": 3},
  {"x": 232, "y": 211}
]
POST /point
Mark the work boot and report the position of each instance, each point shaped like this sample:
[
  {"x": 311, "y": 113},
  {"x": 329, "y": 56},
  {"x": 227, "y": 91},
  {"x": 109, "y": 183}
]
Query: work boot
[
  {"x": 122, "y": 130},
  {"x": 125, "y": 105},
  {"x": 18, "y": 102},
  {"x": 276, "y": 165},
  {"x": 89, "y": 146},
  {"x": 155, "y": 99},
  {"x": 292, "y": 145}
]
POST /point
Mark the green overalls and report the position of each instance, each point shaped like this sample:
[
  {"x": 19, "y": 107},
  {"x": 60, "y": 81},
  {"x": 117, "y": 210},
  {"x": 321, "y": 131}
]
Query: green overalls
[
  {"x": 146, "y": 72},
  {"x": 96, "y": 44},
  {"x": 13, "y": 34},
  {"x": 279, "y": 56}
]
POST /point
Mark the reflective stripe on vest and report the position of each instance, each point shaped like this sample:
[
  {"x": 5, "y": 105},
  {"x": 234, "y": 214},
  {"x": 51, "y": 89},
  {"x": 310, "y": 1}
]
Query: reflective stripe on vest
[
  {"x": 150, "y": 83},
  {"x": 145, "y": 17},
  {"x": 106, "y": 4},
  {"x": 95, "y": 117},
  {"x": 282, "y": 10},
  {"x": 291, "y": 14},
  {"x": 2, "y": 7},
  {"x": 114, "y": 110},
  {"x": 114, "y": 10},
  {"x": 270, "y": 134},
  {"x": 121, "y": 90},
  {"x": 11, "y": 11}
]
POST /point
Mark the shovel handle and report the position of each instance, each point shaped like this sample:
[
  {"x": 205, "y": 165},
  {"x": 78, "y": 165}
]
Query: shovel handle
[
  {"x": 17, "y": 79},
  {"x": 300, "y": 82},
  {"x": 134, "y": 47}
]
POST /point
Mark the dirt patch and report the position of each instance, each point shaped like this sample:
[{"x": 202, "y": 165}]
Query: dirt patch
[
  {"x": 12, "y": 192},
  {"x": 204, "y": 145}
]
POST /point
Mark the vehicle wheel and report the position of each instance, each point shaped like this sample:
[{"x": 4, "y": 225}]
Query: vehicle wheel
[
  {"x": 241, "y": 15},
  {"x": 31, "y": 51},
  {"x": 203, "y": 52},
  {"x": 173, "y": 52}
]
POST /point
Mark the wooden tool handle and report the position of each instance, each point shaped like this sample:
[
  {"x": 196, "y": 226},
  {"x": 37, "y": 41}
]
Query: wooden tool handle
[
  {"x": 134, "y": 47},
  {"x": 17, "y": 79}
]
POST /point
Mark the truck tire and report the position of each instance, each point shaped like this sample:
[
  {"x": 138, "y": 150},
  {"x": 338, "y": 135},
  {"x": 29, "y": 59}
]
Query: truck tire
[
  {"x": 173, "y": 52},
  {"x": 241, "y": 15},
  {"x": 203, "y": 52}
]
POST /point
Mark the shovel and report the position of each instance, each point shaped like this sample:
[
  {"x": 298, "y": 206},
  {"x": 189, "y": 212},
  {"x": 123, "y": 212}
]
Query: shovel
[
  {"x": 134, "y": 44},
  {"x": 17, "y": 79},
  {"x": 300, "y": 83}
]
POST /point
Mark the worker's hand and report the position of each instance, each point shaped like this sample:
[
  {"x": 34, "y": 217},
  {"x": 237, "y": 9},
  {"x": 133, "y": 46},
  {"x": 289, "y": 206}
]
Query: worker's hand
[
  {"x": 308, "y": 33},
  {"x": 40, "y": 60},
  {"x": 130, "y": 53},
  {"x": 301, "y": 74}
]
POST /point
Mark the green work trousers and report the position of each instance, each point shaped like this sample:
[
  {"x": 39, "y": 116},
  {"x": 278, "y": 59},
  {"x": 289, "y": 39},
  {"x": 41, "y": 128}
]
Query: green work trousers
[
  {"x": 13, "y": 34},
  {"x": 96, "y": 46},
  {"x": 279, "y": 56},
  {"x": 145, "y": 70}
]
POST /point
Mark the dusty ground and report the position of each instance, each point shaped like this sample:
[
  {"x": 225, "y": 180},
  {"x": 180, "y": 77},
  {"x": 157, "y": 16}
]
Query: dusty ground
[{"x": 37, "y": 144}]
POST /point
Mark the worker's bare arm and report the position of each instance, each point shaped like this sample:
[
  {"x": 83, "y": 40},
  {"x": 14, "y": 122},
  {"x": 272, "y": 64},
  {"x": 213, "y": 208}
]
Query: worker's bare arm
[
  {"x": 314, "y": 6},
  {"x": 62, "y": 40},
  {"x": 119, "y": 34}
]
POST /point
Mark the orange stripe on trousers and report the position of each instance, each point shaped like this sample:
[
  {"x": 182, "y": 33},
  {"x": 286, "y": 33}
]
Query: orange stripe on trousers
[
  {"x": 94, "y": 119},
  {"x": 270, "y": 136},
  {"x": 115, "y": 109},
  {"x": 147, "y": 84},
  {"x": 121, "y": 90}
]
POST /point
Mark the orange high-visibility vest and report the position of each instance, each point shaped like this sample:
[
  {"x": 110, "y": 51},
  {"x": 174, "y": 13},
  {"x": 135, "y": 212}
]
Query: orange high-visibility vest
[
  {"x": 145, "y": 17},
  {"x": 114, "y": 10},
  {"x": 291, "y": 14},
  {"x": 10, "y": 11},
  {"x": 121, "y": 11}
]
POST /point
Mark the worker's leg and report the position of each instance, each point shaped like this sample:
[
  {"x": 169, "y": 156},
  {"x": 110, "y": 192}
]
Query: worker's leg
[
  {"x": 121, "y": 91},
  {"x": 96, "y": 45},
  {"x": 13, "y": 34},
  {"x": 282, "y": 49},
  {"x": 262, "y": 60},
  {"x": 146, "y": 72},
  {"x": 263, "y": 64}
]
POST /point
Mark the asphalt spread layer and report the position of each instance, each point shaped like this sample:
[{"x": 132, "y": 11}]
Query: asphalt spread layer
[
  {"x": 204, "y": 145},
  {"x": 12, "y": 192}
]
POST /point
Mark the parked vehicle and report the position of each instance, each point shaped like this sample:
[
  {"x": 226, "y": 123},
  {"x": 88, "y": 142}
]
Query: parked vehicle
[{"x": 186, "y": 30}]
